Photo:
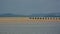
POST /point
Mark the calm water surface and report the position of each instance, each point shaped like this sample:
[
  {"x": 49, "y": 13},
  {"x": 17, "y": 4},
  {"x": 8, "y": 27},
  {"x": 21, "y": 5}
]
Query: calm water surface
[{"x": 41, "y": 28}]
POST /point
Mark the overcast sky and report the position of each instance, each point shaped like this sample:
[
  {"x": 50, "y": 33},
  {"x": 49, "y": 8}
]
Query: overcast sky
[{"x": 29, "y": 6}]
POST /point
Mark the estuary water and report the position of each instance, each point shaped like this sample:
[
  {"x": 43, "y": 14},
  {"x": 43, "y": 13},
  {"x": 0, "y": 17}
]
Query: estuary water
[{"x": 30, "y": 28}]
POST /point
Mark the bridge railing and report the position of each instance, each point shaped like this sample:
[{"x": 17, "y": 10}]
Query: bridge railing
[{"x": 46, "y": 18}]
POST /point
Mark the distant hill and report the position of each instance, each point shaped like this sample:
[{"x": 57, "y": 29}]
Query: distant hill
[
  {"x": 11, "y": 15},
  {"x": 33, "y": 15},
  {"x": 46, "y": 15}
]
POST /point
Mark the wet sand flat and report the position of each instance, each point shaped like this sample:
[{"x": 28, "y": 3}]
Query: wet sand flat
[{"x": 24, "y": 19}]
